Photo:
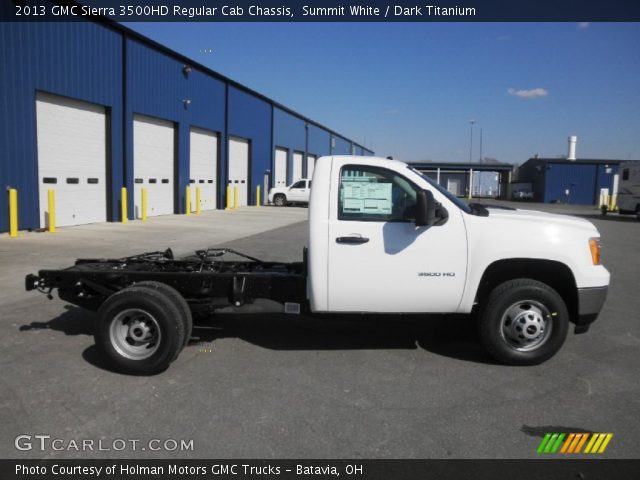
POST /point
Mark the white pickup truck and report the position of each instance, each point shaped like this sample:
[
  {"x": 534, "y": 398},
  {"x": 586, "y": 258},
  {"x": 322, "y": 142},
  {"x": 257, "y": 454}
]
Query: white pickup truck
[
  {"x": 297, "y": 192},
  {"x": 382, "y": 238}
]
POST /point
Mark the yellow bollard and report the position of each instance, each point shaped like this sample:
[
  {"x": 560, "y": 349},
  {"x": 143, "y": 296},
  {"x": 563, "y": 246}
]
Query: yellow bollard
[
  {"x": 258, "y": 196},
  {"x": 52, "y": 211},
  {"x": 197, "y": 200},
  {"x": 123, "y": 204},
  {"x": 229, "y": 198},
  {"x": 187, "y": 201},
  {"x": 143, "y": 205},
  {"x": 13, "y": 212},
  {"x": 236, "y": 197}
]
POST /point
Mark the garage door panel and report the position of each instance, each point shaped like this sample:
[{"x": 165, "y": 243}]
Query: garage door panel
[
  {"x": 203, "y": 146},
  {"x": 311, "y": 165},
  {"x": 153, "y": 164},
  {"x": 280, "y": 176},
  {"x": 297, "y": 166},
  {"x": 239, "y": 168},
  {"x": 72, "y": 144}
]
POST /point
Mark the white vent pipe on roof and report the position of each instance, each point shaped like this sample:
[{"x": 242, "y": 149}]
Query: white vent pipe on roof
[{"x": 572, "y": 147}]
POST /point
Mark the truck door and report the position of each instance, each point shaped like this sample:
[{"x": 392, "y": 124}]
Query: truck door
[
  {"x": 297, "y": 192},
  {"x": 378, "y": 260}
]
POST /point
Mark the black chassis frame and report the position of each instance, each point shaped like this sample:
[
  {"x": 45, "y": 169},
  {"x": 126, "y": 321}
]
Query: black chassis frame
[{"x": 205, "y": 282}]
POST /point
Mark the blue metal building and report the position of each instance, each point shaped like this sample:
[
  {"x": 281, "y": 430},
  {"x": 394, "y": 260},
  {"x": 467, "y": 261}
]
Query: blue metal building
[
  {"x": 130, "y": 78},
  {"x": 558, "y": 180}
]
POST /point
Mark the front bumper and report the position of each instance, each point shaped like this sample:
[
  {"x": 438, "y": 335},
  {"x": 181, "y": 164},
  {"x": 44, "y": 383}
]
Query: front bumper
[{"x": 590, "y": 302}]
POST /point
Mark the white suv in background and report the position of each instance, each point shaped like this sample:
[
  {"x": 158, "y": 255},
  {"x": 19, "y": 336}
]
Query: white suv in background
[{"x": 297, "y": 192}]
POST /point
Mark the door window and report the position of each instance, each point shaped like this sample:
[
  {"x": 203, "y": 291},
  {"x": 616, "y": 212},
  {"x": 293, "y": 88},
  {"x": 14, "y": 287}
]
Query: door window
[
  {"x": 299, "y": 184},
  {"x": 375, "y": 194}
]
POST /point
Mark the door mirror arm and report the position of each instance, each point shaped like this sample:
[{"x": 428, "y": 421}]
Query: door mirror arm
[{"x": 425, "y": 209}]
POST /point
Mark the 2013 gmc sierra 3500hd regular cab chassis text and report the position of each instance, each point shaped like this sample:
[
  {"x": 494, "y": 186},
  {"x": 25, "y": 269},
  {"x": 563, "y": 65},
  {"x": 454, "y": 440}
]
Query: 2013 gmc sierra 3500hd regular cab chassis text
[{"x": 382, "y": 238}]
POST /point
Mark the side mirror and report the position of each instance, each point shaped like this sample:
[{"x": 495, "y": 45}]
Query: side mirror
[{"x": 425, "y": 209}]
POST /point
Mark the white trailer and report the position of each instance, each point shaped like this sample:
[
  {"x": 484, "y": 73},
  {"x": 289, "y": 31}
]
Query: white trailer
[{"x": 629, "y": 188}]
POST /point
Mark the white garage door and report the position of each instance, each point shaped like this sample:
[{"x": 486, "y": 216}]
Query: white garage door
[
  {"x": 239, "y": 168},
  {"x": 453, "y": 185},
  {"x": 297, "y": 166},
  {"x": 280, "y": 176},
  {"x": 311, "y": 164},
  {"x": 72, "y": 159},
  {"x": 153, "y": 165},
  {"x": 203, "y": 146}
]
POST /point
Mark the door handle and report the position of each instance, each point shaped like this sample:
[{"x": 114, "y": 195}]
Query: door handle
[{"x": 352, "y": 240}]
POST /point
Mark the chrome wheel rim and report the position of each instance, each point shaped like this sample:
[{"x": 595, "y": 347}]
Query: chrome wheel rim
[
  {"x": 526, "y": 325},
  {"x": 135, "y": 334}
]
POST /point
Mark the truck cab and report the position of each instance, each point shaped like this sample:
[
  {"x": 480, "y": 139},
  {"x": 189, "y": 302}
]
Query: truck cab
[
  {"x": 385, "y": 238},
  {"x": 297, "y": 192}
]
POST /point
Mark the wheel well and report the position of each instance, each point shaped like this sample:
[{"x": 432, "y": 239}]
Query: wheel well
[{"x": 555, "y": 274}]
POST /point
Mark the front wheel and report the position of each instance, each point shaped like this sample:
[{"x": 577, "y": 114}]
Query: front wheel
[
  {"x": 524, "y": 322},
  {"x": 140, "y": 330},
  {"x": 280, "y": 200}
]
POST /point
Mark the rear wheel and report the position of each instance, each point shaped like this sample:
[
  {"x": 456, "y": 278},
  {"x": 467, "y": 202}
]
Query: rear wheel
[
  {"x": 524, "y": 322},
  {"x": 638, "y": 212},
  {"x": 180, "y": 302},
  {"x": 280, "y": 200},
  {"x": 140, "y": 330}
]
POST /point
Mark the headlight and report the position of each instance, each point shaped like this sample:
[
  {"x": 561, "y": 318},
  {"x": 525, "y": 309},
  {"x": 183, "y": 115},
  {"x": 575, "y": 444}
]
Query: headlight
[{"x": 594, "y": 246}]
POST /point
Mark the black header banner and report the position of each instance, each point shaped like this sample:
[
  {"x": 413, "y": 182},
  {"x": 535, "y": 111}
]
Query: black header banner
[
  {"x": 321, "y": 10},
  {"x": 318, "y": 469}
]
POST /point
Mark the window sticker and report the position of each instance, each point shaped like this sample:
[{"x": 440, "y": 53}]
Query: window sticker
[{"x": 361, "y": 196}]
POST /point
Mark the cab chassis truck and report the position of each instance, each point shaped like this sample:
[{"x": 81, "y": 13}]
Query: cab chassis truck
[{"x": 383, "y": 238}]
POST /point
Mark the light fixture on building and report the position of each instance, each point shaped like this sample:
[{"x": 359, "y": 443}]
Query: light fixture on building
[
  {"x": 186, "y": 70},
  {"x": 186, "y": 102}
]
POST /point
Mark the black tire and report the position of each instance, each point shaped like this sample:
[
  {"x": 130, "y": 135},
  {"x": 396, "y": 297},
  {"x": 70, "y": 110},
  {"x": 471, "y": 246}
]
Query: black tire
[
  {"x": 180, "y": 302},
  {"x": 156, "y": 313},
  {"x": 637, "y": 212},
  {"x": 279, "y": 200},
  {"x": 524, "y": 303}
]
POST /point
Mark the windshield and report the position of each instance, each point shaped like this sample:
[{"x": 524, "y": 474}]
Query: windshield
[{"x": 459, "y": 203}]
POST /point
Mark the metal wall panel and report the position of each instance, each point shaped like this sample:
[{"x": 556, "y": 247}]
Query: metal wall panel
[
  {"x": 250, "y": 117},
  {"x": 80, "y": 60},
  {"x": 604, "y": 178},
  {"x": 289, "y": 132},
  {"x": 319, "y": 141},
  {"x": 578, "y": 179},
  {"x": 114, "y": 68},
  {"x": 340, "y": 146},
  {"x": 159, "y": 86},
  {"x": 366, "y": 152}
]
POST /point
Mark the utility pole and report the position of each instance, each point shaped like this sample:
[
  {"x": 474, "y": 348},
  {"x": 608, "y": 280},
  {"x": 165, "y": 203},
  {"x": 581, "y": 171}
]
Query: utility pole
[
  {"x": 480, "y": 144},
  {"x": 471, "y": 141}
]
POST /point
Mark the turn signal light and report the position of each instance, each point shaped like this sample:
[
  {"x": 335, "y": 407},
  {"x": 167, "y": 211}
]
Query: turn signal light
[{"x": 594, "y": 246}]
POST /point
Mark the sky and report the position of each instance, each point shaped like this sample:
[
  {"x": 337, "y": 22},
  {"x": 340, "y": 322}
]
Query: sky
[{"x": 409, "y": 90}]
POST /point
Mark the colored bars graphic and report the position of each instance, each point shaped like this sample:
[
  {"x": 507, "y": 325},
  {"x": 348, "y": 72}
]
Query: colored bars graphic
[{"x": 573, "y": 443}]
